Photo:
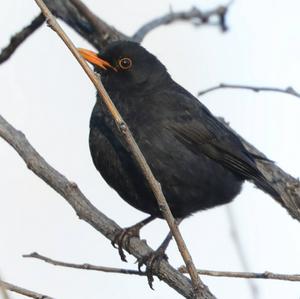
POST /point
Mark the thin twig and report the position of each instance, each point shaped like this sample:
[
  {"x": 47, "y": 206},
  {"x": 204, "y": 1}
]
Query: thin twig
[
  {"x": 240, "y": 250},
  {"x": 195, "y": 15},
  {"x": 288, "y": 90},
  {"x": 20, "y": 37},
  {"x": 24, "y": 292},
  {"x": 84, "y": 266},
  {"x": 254, "y": 275},
  {"x": 231, "y": 274},
  {"x": 137, "y": 154}
]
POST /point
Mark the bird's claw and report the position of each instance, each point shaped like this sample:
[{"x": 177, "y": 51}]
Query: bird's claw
[
  {"x": 122, "y": 238},
  {"x": 152, "y": 262}
]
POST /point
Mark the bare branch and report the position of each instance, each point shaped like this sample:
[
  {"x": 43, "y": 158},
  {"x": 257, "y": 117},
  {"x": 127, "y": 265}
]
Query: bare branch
[
  {"x": 288, "y": 90},
  {"x": 195, "y": 15},
  {"x": 22, "y": 291},
  {"x": 264, "y": 275},
  {"x": 84, "y": 209},
  {"x": 3, "y": 290},
  {"x": 84, "y": 266},
  {"x": 20, "y": 37},
  {"x": 233, "y": 274},
  {"x": 240, "y": 249},
  {"x": 199, "y": 288}
]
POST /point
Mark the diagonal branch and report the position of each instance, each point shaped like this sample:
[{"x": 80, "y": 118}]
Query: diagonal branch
[
  {"x": 288, "y": 90},
  {"x": 84, "y": 209},
  {"x": 3, "y": 290},
  {"x": 20, "y": 37},
  {"x": 195, "y": 15},
  {"x": 200, "y": 290},
  {"x": 16, "y": 289}
]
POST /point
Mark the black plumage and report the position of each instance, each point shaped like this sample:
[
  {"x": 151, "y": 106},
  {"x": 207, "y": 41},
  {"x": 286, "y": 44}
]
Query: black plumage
[{"x": 198, "y": 161}]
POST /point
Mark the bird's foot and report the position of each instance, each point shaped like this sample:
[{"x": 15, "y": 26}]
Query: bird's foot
[
  {"x": 123, "y": 236},
  {"x": 152, "y": 262}
]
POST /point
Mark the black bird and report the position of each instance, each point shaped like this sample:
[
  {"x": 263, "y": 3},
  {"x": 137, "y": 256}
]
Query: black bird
[{"x": 199, "y": 162}]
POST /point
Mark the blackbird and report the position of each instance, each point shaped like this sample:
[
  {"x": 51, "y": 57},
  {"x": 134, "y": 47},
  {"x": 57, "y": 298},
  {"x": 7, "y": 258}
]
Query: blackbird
[{"x": 199, "y": 162}]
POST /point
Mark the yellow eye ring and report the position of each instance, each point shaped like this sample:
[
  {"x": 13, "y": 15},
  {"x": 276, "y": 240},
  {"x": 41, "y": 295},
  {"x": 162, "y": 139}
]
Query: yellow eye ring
[{"x": 125, "y": 63}]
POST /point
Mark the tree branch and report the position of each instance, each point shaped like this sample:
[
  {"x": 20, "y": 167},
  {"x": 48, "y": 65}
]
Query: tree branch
[
  {"x": 288, "y": 90},
  {"x": 231, "y": 274},
  {"x": 195, "y": 15},
  {"x": 254, "y": 275},
  {"x": 84, "y": 266},
  {"x": 3, "y": 290},
  {"x": 20, "y": 37},
  {"x": 22, "y": 291},
  {"x": 200, "y": 289}
]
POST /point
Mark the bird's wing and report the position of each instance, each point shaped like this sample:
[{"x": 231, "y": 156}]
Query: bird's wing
[
  {"x": 216, "y": 142},
  {"x": 202, "y": 133}
]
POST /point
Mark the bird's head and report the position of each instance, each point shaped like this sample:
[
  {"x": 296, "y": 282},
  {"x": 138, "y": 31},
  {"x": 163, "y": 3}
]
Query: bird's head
[{"x": 126, "y": 65}]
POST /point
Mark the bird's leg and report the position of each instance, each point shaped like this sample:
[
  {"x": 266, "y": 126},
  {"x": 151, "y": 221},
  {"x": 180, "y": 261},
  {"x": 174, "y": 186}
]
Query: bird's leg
[
  {"x": 123, "y": 236},
  {"x": 153, "y": 260}
]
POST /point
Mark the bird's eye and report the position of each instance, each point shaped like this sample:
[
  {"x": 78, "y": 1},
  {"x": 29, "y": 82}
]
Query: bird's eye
[{"x": 125, "y": 63}]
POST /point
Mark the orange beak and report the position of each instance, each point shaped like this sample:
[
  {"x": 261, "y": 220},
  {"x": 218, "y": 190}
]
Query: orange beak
[{"x": 93, "y": 58}]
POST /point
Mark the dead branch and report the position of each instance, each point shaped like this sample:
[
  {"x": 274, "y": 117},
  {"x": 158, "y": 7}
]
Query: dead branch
[
  {"x": 231, "y": 274},
  {"x": 288, "y": 90},
  {"x": 264, "y": 275},
  {"x": 84, "y": 266},
  {"x": 194, "y": 15},
  {"x": 3, "y": 290},
  {"x": 20, "y": 37},
  {"x": 22, "y": 291},
  {"x": 155, "y": 186}
]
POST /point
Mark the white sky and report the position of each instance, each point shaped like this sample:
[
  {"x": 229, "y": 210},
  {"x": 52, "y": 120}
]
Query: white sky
[{"x": 46, "y": 95}]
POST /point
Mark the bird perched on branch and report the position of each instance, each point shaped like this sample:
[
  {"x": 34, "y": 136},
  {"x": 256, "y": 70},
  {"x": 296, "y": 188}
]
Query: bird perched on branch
[{"x": 198, "y": 161}]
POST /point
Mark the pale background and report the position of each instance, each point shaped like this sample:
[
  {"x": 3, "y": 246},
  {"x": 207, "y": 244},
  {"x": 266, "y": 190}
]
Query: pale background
[{"x": 46, "y": 95}]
